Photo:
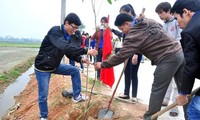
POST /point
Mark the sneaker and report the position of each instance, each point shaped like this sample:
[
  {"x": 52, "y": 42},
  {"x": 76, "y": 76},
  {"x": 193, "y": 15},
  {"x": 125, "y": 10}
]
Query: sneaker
[
  {"x": 67, "y": 93},
  {"x": 134, "y": 99},
  {"x": 123, "y": 96},
  {"x": 80, "y": 98},
  {"x": 174, "y": 112},
  {"x": 164, "y": 104},
  {"x": 43, "y": 118}
]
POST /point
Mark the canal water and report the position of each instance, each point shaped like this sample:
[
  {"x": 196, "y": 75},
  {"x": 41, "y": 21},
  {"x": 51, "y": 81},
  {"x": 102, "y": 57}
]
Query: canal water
[{"x": 7, "y": 98}]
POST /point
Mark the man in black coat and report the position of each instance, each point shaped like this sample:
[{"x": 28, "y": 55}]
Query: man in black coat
[
  {"x": 54, "y": 46},
  {"x": 187, "y": 13}
]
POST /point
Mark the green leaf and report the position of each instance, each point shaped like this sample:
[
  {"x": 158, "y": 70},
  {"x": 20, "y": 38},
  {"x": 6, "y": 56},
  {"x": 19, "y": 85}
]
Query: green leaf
[{"x": 110, "y": 1}]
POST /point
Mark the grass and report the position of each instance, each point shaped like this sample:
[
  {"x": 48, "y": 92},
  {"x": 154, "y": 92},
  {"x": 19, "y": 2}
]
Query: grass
[
  {"x": 14, "y": 72},
  {"x": 97, "y": 83},
  {"x": 16, "y": 44}
]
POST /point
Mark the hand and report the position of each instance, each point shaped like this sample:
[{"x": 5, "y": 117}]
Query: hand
[
  {"x": 142, "y": 16},
  {"x": 135, "y": 59},
  {"x": 97, "y": 28},
  {"x": 85, "y": 60},
  {"x": 182, "y": 99},
  {"x": 97, "y": 66},
  {"x": 92, "y": 52}
]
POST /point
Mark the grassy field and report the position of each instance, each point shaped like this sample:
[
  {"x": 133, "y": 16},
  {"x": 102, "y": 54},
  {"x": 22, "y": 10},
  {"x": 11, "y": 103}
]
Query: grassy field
[
  {"x": 15, "y": 44},
  {"x": 15, "y": 59}
]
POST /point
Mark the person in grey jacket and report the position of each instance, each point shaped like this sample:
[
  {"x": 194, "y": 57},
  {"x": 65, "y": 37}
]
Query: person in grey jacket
[
  {"x": 150, "y": 39},
  {"x": 171, "y": 26},
  {"x": 54, "y": 46}
]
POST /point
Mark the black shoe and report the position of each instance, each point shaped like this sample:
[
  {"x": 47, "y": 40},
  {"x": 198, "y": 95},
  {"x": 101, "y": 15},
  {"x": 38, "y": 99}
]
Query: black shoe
[
  {"x": 124, "y": 96},
  {"x": 67, "y": 93}
]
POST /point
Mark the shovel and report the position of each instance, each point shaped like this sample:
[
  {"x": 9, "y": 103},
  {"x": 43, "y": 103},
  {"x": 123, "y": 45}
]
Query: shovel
[
  {"x": 153, "y": 117},
  {"x": 106, "y": 113}
]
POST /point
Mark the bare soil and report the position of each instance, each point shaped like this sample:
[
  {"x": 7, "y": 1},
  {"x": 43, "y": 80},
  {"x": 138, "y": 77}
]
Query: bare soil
[{"x": 61, "y": 108}]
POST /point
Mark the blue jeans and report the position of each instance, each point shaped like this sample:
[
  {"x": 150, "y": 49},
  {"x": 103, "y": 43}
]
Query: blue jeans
[
  {"x": 72, "y": 62},
  {"x": 193, "y": 110},
  {"x": 43, "y": 79}
]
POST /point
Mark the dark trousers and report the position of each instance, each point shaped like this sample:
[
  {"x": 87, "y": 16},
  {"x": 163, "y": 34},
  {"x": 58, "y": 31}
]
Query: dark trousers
[
  {"x": 92, "y": 59},
  {"x": 72, "y": 62},
  {"x": 99, "y": 59},
  {"x": 131, "y": 76},
  {"x": 165, "y": 70}
]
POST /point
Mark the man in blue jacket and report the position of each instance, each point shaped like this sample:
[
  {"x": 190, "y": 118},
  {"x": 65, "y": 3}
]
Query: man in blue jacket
[
  {"x": 54, "y": 46},
  {"x": 187, "y": 13}
]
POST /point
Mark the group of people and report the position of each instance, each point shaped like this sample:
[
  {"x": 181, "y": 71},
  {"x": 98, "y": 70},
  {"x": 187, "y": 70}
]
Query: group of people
[
  {"x": 180, "y": 61},
  {"x": 177, "y": 59}
]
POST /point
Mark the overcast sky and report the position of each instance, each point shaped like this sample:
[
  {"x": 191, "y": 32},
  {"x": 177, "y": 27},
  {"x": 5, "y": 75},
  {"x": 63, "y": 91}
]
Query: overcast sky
[{"x": 33, "y": 18}]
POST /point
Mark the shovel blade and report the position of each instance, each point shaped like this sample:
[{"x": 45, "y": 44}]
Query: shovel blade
[{"x": 105, "y": 113}]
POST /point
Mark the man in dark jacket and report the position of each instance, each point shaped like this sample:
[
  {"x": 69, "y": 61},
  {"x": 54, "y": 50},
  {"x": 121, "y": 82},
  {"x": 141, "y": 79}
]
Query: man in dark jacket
[
  {"x": 75, "y": 40},
  {"x": 187, "y": 13},
  {"x": 150, "y": 39},
  {"x": 54, "y": 46}
]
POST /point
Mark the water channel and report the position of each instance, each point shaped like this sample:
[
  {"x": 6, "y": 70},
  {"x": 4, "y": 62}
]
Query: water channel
[{"x": 7, "y": 98}]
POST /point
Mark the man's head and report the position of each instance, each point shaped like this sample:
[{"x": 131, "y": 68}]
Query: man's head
[
  {"x": 71, "y": 23},
  {"x": 123, "y": 22},
  {"x": 163, "y": 10},
  {"x": 183, "y": 11}
]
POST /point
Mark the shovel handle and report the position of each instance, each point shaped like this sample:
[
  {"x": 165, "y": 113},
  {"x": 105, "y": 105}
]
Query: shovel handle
[
  {"x": 125, "y": 64},
  {"x": 153, "y": 117}
]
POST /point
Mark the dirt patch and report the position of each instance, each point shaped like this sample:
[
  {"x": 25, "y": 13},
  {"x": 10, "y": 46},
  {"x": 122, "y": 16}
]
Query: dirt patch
[{"x": 61, "y": 108}]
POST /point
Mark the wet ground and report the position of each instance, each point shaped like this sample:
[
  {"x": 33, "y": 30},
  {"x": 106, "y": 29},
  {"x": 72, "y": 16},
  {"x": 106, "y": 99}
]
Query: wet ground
[{"x": 7, "y": 98}]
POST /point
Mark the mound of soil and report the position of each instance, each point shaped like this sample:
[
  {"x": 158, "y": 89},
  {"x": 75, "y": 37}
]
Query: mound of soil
[{"x": 61, "y": 108}]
